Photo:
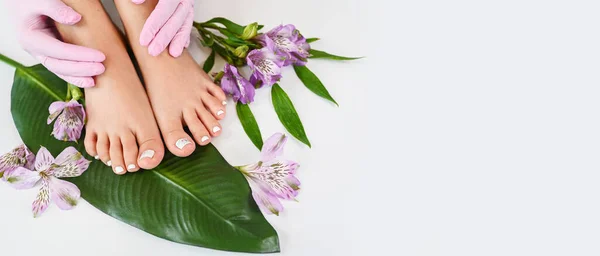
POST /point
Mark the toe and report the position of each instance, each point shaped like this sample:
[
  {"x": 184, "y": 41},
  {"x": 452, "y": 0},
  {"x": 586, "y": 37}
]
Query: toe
[
  {"x": 130, "y": 152},
  {"x": 209, "y": 121},
  {"x": 176, "y": 139},
  {"x": 102, "y": 148},
  {"x": 151, "y": 149},
  {"x": 116, "y": 155},
  {"x": 198, "y": 130},
  {"x": 218, "y": 93},
  {"x": 90, "y": 144},
  {"x": 214, "y": 105}
]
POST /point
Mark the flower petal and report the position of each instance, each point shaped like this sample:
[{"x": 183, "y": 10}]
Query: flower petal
[
  {"x": 273, "y": 147},
  {"x": 69, "y": 124},
  {"x": 55, "y": 109},
  {"x": 18, "y": 157},
  {"x": 228, "y": 83},
  {"x": 42, "y": 200},
  {"x": 70, "y": 163},
  {"x": 265, "y": 201},
  {"x": 22, "y": 178},
  {"x": 277, "y": 177},
  {"x": 64, "y": 194},
  {"x": 43, "y": 160}
]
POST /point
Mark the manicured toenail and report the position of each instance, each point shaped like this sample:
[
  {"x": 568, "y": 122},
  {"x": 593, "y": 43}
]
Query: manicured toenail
[
  {"x": 220, "y": 112},
  {"x": 119, "y": 170},
  {"x": 182, "y": 143},
  {"x": 109, "y": 163},
  {"x": 147, "y": 154},
  {"x": 224, "y": 103},
  {"x": 204, "y": 138},
  {"x": 131, "y": 167},
  {"x": 216, "y": 129},
  {"x": 97, "y": 157}
]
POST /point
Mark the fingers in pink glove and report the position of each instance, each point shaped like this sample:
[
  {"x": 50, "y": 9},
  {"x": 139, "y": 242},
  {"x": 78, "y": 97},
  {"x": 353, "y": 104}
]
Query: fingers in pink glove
[
  {"x": 59, "y": 12},
  {"x": 169, "y": 30},
  {"x": 72, "y": 68},
  {"x": 182, "y": 38},
  {"x": 39, "y": 43},
  {"x": 83, "y": 82},
  {"x": 158, "y": 18}
]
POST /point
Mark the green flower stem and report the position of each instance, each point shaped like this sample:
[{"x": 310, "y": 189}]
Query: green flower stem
[
  {"x": 10, "y": 61},
  {"x": 218, "y": 39}
]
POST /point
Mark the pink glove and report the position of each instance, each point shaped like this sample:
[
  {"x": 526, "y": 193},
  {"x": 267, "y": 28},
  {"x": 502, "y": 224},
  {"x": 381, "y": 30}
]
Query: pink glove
[
  {"x": 38, "y": 36},
  {"x": 170, "y": 23}
]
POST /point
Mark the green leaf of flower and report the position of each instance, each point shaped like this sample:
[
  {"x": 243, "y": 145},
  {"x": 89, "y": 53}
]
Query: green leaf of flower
[
  {"x": 287, "y": 114},
  {"x": 210, "y": 62},
  {"x": 316, "y": 54},
  {"x": 232, "y": 26},
  {"x": 199, "y": 200},
  {"x": 249, "y": 123},
  {"x": 312, "y": 40},
  {"x": 312, "y": 82}
]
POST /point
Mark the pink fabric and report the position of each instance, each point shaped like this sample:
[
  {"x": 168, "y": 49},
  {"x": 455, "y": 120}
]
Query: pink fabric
[
  {"x": 169, "y": 25},
  {"x": 37, "y": 35}
]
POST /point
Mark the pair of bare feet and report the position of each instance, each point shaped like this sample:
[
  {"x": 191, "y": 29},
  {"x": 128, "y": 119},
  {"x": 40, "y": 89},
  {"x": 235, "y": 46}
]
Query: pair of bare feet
[{"x": 126, "y": 119}]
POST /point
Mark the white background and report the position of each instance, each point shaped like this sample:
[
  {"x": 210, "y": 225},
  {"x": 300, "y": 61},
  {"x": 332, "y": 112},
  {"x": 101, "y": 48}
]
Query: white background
[{"x": 471, "y": 128}]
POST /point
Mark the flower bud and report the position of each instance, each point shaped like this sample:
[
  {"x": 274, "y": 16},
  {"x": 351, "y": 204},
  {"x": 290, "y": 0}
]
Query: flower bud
[
  {"x": 250, "y": 31},
  {"x": 241, "y": 51}
]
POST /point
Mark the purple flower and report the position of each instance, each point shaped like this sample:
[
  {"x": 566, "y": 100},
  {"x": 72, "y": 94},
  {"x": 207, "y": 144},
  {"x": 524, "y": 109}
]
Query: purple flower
[
  {"x": 236, "y": 85},
  {"x": 71, "y": 117},
  {"x": 265, "y": 65},
  {"x": 69, "y": 163},
  {"x": 288, "y": 43},
  {"x": 271, "y": 179},
  {"x": 18, "y": 157}
]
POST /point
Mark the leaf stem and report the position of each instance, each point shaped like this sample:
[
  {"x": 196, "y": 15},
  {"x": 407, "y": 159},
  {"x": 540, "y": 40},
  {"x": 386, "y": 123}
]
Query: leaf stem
[{"x": 11, "y": 62}]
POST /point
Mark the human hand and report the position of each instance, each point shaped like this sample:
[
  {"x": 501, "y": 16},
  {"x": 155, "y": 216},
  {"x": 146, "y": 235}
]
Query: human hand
[
  {"x": 39, "y": 37},
  {"x": 170, "y": 24}
]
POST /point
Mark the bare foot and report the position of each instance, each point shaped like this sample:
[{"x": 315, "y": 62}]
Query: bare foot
[
  {"x": 121, "y": 129},
  {"x": 181, "y": 93}
]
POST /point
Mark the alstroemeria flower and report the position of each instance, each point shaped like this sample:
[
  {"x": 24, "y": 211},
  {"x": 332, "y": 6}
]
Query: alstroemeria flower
[
  {"x": 265, "y": 64},
  {"x": 236, "y": 85},
  {"x": 69, "y": 163},
  {"x": 272, "y": 179},
  {"x": 288, "y": 42},
  {"x": 71, "y": 118},
  {"x": 18, "y": 157}
]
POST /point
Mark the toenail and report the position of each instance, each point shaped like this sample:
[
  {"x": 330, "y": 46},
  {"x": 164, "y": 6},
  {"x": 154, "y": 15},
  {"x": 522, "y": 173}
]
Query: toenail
[
  {"x": 224, "y": 103},
  {"x": 182, "y": 143},
  {"x": 131, "y": 167},
  {"x": 119, "y": 170},
  {"x": 97, "y": 157},
  {"x": 220, "y": 112},
  {"x": 204, "y": 138},
  {"x": 109, "y": 163},
  {"x": 147, "y": 154},
  {"x": 216, "y": 129}
]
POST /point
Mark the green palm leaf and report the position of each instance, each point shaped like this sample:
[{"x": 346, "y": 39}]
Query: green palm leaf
[{"x": 200, "y": 200}]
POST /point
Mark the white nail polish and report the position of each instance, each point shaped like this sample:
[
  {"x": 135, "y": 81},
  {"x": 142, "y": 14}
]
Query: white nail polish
[
  {"x": 131, "y": 167},
  {"x": 220, "y": 112},
  {"x": 97, "y": 157},
  {"x": 204, "y": 138},
  {"x": 182, "y": 143},
  {"x": 119, "y": 170},
  {"x": 224, "y": 103},
  {"x": 109, "y": 163},
  {"x": 147, "y": 154},
  {"x": 216, "y": 129}
]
